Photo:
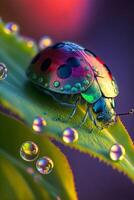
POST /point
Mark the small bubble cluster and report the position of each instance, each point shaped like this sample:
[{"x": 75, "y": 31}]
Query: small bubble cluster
[
  {"x": 45, "y": 42},
  {"x": 11, "y": 27},
  {"x": 29, "y": 151},
  {"x": 70, "y": 135},
  {"x": 3, "y": 71},
  {"x": 44, "y": 165},
  {"x": 117, "y": 152},
  {"x": 39, "y": 123}
]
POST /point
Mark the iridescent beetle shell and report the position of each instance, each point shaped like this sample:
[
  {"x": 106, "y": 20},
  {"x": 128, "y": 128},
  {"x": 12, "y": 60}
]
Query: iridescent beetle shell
[
  {"x": 68, "y": 68},
  {"x": 61, "y": 69}
]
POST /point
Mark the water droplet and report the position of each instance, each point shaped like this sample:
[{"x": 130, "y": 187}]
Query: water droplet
[
  {"x": 74, "y": 89},
  {"x": 67, "y": 87},
  {"x": 46, "y": 85},
  {"x": 45, "y": 42},
  {"x": 30, "y": 170},
  {"x": 3, "y": 71},
  {"x": 56, "y": 84},
  {"x": 30, "y": 42},
  {"x": 70, "y": 135},
  {"x": 78, "y": 85},
  {"x": 85, "y": 82},
  {"x": 117, "y": 152},
  {"x": 44, "y": 165},
  {"x": 39, "y": 124},
  {"x": 29, "y": 151},
  {"x": 61, "y": 88},
  {"x": 11, "y": 27},
  {"x": 88, "y": 76},
  {"x": 82, "y": 89}
]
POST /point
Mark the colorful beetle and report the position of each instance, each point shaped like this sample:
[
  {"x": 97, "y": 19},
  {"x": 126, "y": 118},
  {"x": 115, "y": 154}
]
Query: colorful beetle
[{"x": 69, "y": 69}]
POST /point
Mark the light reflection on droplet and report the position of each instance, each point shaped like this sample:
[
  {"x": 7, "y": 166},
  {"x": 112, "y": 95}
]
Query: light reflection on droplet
[
  {"x": 39, "y": 124},
  {"x": 44, "y": 165},
  {"x": 29, "y": 151},
  {"x": 70, "y": 135},
  {"x": 11, "y": 27},
  {"x": 45, "y": 42},
  {"x": 30, "y": 42},
  {"x": 3, "y": 71},
  {"x": 117, "y": 152}
]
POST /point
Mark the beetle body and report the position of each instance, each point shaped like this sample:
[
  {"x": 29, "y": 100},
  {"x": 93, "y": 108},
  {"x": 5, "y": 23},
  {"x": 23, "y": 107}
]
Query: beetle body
[{"x": 69, "y": 69}]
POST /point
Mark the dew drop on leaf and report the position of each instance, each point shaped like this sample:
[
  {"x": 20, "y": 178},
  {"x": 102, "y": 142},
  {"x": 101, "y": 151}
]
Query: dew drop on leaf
[
  {"x": 30, "y": 170},
  {"x": 11, "y": 27},
  {"x": 45, "y": 42},
  {"x": 70, "y": 135},
  {"x": 29, "y": 151},
  {"x": 44, "y": 165},
  {"x": 29, "y": 42},
  {"x": 3, "y": 71},
  {"x": 39, "y": 124},
  {"x": 117, "y": 152}
]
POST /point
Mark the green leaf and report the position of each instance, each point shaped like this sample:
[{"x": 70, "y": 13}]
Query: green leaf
[
  {"x": 22, "y": 98},
  {"x": 10, "y": 178},
  {"x": 13, "y": 134}
]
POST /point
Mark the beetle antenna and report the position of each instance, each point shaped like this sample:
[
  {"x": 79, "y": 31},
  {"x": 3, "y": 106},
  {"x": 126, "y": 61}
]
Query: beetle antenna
[{"x": 131, "y": 112}]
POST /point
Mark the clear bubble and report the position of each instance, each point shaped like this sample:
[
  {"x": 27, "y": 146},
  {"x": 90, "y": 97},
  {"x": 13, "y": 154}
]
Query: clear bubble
[
  {"x": 45, "y": 42},
  {"x": 29, "y": 151},
  {"x": 3, "y": 71},
  {"x": 39, "y": 124},
  {"x": 117, "y": 152},
  {"x": 70, "y": 135},
  {"x": 11, "y": 27},
  {"x": 44, "y": 165}
]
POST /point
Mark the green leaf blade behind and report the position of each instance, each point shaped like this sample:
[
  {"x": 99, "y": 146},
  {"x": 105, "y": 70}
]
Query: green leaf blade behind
[
  {"x": 27, "y": 101},
  {"x": 13, "y": 134}
]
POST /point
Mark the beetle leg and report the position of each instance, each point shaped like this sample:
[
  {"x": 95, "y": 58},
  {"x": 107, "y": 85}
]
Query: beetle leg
[
  {"x": 93, "y": 119},
  {"x": 74, "y": 110},
  {"x": 84, "y": 118},
  {"x": 58, "y": 100}
]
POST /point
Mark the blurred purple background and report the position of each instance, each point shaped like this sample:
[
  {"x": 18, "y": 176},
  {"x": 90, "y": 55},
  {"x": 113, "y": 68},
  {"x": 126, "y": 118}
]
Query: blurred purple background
[{"x": 107, "y": 28}]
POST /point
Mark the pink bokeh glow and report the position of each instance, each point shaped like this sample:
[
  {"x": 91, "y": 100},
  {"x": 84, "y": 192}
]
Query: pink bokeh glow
[{"x": 60, "y": 19}]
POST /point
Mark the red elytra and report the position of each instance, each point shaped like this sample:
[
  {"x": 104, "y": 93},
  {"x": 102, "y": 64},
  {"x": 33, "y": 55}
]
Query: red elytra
[{"x": 68, "y": 68}]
